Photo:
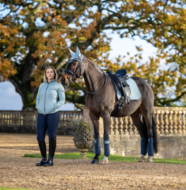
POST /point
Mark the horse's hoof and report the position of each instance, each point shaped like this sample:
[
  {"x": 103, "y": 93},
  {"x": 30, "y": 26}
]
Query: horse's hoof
[
  {"x": 150, "y": 159},
  {"x": 104, "y": 162},
  {"x": 95, "y": 161},
  {"x": 142, "y": 159}
]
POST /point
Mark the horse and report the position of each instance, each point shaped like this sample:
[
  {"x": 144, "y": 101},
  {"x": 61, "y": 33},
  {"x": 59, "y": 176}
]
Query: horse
[{"x": 101, "y": 101}]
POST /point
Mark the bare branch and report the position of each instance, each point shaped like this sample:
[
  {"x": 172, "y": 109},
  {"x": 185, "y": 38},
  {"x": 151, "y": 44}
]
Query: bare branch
[{"x": 163, "y": 101}]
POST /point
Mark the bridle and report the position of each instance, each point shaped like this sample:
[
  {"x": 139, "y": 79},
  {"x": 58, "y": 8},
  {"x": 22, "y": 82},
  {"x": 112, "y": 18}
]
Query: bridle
[
  {"x": 67, "y": 71},
  {"x": 74, "y": 73}
]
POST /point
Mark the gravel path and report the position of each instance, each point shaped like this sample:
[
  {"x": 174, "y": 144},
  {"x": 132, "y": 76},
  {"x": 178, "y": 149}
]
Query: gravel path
[{"x": 17, "y": 171}]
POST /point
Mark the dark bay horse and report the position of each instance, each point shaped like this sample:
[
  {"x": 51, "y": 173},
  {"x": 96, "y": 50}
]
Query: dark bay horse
[{"x": 101, "y": 102}]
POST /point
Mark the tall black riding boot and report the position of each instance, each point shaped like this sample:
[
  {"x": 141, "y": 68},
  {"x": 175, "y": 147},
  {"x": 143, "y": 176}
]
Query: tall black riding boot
[
  {"x": 42, "y": 146},
  {"x": 52, "y": 148}
]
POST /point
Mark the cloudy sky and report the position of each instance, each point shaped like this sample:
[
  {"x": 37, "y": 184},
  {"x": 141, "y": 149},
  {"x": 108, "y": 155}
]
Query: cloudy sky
[{"x": 10, "y": 100}]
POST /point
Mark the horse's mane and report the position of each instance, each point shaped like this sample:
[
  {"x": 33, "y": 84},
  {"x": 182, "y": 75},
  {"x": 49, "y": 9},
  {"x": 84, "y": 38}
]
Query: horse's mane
[{"x": 93, "y": 64}]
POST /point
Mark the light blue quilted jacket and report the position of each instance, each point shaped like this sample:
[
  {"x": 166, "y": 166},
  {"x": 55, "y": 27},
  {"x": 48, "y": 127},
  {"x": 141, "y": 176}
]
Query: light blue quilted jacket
[{"x": 46, "y": 100}]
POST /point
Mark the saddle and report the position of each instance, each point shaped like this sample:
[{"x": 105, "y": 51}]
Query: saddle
[{"x": 119, "y": 79}]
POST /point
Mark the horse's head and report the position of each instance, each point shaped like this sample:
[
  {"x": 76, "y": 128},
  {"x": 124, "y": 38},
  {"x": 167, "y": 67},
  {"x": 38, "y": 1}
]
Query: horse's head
[{"x": 74, "y": 68}]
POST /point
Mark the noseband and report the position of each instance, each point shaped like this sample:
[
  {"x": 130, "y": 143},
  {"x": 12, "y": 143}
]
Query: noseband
[{"x": 67, "y": 71}]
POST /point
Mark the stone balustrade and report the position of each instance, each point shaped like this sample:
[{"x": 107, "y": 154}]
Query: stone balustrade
[
  {"x": 26, "y": 121},
  {"x": 169, "y": 120}
]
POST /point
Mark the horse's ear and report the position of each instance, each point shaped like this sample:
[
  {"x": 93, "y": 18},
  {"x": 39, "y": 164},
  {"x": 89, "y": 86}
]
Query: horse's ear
[
  {"x": 78, "y": 52},
  {"x": 71, "y": 52}
]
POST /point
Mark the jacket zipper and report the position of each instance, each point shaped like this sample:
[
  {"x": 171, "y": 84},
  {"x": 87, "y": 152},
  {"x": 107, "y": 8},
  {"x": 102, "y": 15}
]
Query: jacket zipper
[{"x": 45, "y": 97}]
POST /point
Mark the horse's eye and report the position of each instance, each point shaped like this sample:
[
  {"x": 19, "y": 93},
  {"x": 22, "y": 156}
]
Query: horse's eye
[{"x": 74, "y": 63}]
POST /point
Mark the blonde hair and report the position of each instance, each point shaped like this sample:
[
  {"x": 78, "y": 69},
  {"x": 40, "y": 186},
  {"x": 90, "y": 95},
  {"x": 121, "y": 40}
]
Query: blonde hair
[{"x": 55, "y": 73}]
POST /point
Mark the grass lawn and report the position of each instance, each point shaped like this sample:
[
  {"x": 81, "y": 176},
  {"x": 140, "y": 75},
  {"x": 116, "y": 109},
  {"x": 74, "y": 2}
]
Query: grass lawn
[
  {"x": 111, "y": 158},
  {"x": 10, "y": 188}
]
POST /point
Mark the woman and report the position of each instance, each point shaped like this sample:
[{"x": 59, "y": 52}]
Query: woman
[{"x": 48, "y": 117}]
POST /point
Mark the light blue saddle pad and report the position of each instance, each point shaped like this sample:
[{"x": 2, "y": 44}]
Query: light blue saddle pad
[{"x": 135, "y": 92}]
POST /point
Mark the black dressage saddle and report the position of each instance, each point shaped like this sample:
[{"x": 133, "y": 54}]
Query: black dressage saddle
[{"x": 120, "y": 80}]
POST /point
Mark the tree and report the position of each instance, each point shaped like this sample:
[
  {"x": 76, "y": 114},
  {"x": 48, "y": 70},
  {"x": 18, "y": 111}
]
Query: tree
[
  {"x": 183, "y": 101},
  {"x": 36, "y": 33}
]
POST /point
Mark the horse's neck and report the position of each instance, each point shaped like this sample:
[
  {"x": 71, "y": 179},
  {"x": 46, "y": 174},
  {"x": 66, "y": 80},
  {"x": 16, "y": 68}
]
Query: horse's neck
[{"x": 93, "y": 76}]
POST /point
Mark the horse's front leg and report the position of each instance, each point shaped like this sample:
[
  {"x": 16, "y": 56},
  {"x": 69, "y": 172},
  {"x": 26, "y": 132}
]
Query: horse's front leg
[
  {"x": 106, "y": 122},
  {"x": 95, "y": 122}
]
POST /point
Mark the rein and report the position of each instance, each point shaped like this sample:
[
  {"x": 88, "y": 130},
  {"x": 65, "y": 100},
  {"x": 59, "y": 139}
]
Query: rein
[{"x": 74, "y": 77}]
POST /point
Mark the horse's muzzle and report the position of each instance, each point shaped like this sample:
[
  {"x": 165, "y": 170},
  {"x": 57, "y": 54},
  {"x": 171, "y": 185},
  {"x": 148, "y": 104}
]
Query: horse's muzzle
[{"x": 63, "y": 82}]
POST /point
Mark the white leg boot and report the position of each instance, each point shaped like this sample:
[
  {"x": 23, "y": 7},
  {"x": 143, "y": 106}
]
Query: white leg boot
[
  {"x": 150, "y": 159},
  {"x": 142, "y": 159},
  {"x": 105, "y": 160}
]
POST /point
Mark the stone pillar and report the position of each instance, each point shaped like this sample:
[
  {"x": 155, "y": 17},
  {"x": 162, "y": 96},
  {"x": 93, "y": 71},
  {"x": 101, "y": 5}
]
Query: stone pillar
[
  {"x": 179, "y": 122},
  {"x": 183, "y": 121},
  {"x": 162, "y": 122},
  {"x": 116, "y": 127},
  {"x": 171, "y": 122},
  {"x": 125, "y": 128},
  {"x": 111, "y": 126},
  {"x": 156, "y": 112},
  {"x": 174, "y": 123},
  {"x": 166, "y": 121},
  {"x": 130, "y": 127},
  {"x": 121, "y": 132}
]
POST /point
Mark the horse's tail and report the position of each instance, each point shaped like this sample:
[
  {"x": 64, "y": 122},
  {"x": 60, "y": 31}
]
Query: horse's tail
[{"x": 155, "y": 136}]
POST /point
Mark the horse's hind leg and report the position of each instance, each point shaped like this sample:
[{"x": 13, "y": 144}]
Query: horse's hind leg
[
  {"x": 142, "y": 129},
  {"x": 95, "y": 122},
  {"x": 148, "y": 122}
]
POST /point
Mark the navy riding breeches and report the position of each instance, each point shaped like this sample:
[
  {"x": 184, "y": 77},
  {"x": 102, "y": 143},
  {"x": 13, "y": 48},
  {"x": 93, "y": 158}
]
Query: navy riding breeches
[{"x": 48, "y": 121}]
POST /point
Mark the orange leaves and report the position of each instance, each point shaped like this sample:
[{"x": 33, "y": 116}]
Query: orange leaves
[
  {"x": 97, "y": 16},
  {"x": 175, "y": 74},
  {"x": 86, "y": 32},
  {"x": 143, "y": 68},
  {"x": 58, "y": 18},
  {"x": 6, "y": 68},
  {"x": 48, "y": 50},
  {"x": 37, "y": 76},
  {"x": 54, "y": 12},
  {"x": 49, "y": 18},
  {"x": 10, "y": 42},
  {"x": 21, "y": 12},
  {"x": 10, "y": 48},
  {"x": 7, "y": 32},
  {"x": 60, "y": 21},
  {"x": 138, "y": 48},
  {"x": 46, "y": 10}
]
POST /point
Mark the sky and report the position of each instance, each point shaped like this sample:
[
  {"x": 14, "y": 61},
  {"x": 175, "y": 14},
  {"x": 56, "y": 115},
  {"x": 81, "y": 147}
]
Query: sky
[{"x": 11, "y": 100}]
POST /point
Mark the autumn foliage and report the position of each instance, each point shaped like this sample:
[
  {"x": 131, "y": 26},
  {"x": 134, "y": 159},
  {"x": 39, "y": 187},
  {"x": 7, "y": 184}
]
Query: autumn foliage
[{"x": 34, "y": 34}]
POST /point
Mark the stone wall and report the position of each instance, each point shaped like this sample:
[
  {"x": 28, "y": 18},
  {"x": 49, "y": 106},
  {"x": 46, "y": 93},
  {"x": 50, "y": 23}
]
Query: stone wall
[
  {"x": 173, "y": 146},
  {"x": 125, "y": 139}
]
